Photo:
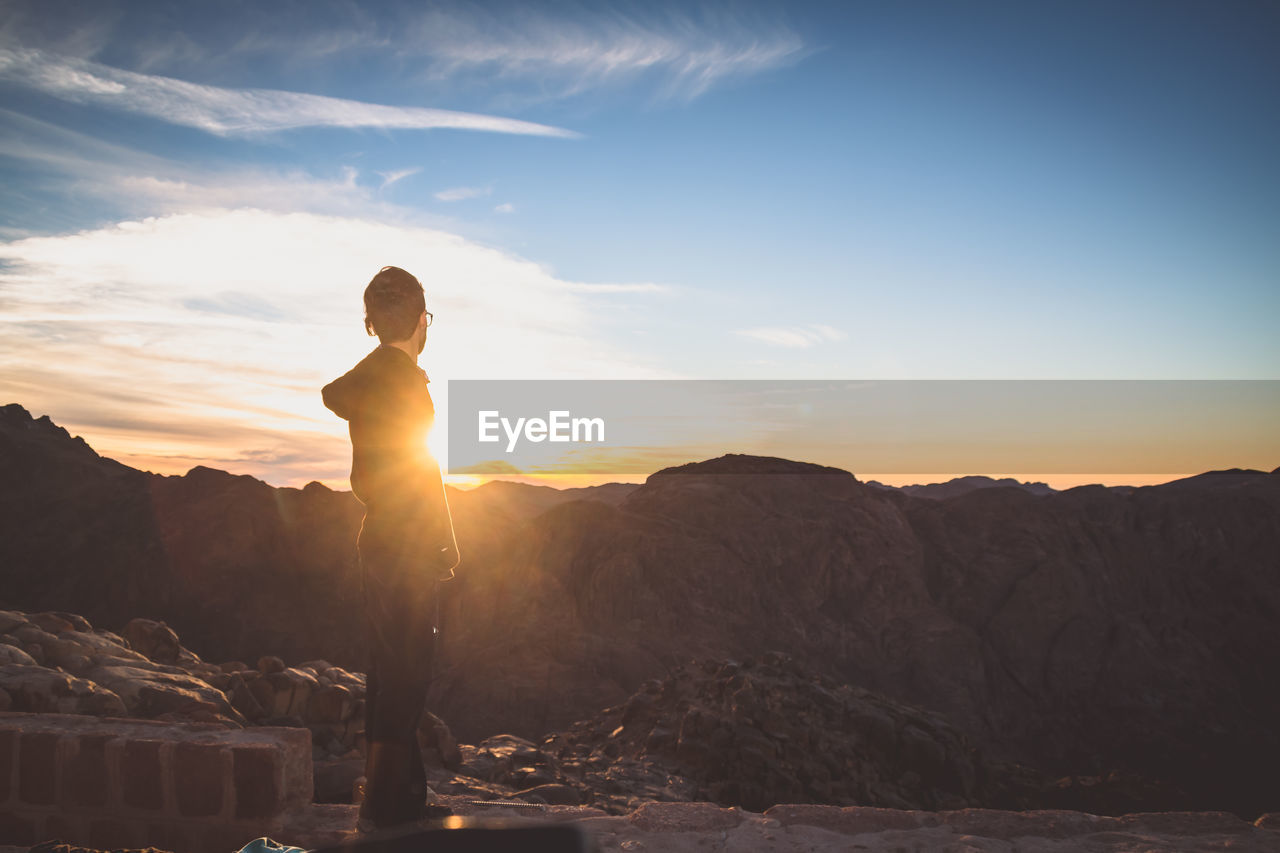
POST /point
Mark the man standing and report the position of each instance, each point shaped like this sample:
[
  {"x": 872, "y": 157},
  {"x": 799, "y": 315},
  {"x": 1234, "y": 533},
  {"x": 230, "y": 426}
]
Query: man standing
[{"x": 406, "y": 543}]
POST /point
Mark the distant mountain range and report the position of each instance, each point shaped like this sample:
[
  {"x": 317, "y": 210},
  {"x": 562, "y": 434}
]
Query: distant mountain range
[
  {"x": 1081, "y": 632},
  {"x": 964, "y": 485}
]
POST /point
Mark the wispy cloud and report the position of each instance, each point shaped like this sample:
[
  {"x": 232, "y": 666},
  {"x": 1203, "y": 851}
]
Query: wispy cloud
[
  {"x": 461, "y": 193},
  {"x": 229, "y": 112},
  {"x": 517, "y": 53},
  {"x": 122, "y": 182},
  {"x": 505, "y": 207},
  {"x": 689, "y": 52},
  {"x": 793, "y": 336},
  {"x": 389, "y": 178},
  {"x": 638, "y": 287}
]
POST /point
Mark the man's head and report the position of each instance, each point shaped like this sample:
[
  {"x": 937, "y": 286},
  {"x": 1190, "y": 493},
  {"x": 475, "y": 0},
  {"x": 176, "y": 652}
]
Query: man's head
[{"x": 395, "y": 307}]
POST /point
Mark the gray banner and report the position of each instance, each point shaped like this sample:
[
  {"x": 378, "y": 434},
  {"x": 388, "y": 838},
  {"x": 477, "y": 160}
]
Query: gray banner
[{"x": 629, "y": 427}]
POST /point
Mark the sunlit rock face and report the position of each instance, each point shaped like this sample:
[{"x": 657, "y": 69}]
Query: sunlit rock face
[{"x": 1093, "y": 631}]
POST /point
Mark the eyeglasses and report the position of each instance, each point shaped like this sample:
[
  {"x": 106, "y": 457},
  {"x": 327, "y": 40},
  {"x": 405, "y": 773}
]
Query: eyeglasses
[{"x": 430, "y": 317}]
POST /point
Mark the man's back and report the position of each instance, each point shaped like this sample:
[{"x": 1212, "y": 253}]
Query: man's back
[
  {"x": 385, "y": 400},
  {"x": 389, "y": 411}
]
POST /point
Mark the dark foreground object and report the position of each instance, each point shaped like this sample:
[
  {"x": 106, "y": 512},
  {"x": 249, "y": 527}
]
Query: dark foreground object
[{"x": 473, "y": 835}]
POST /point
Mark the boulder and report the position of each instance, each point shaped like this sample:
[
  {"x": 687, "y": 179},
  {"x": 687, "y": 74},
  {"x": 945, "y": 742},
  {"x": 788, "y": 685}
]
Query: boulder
[
  {"x": 510, "y": 760},
  {"x": 262, "y": 692},
  {"x": 437, "y": 741},
  {"x": 155, "y": 640},
  {"x": 268, "y": 664},
  {"x": 148, "y": 693},
  {"x": 353, "y": 681},
  {"x": 11, "y": 620},
  {"x": 35, "y": 689},
  {"x": 242, "y": 698},
  {"x": 54, "y": 623},
  {"x": 102, "y": 643},
  {"x": 293, "y": 688},
  {"x": 551, "y": 794},
  {"x": 329, "y": 704},
  {"x": 15, "y": 655}
]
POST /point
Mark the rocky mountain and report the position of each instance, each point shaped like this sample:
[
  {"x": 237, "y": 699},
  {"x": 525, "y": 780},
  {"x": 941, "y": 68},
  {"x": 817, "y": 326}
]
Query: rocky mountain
[
  {"x": 1086, "y": 631},
  {"x": 1091, "y": 632},
  {"x": 963, "y": 485},
  {"x": 522, "y": 501}
]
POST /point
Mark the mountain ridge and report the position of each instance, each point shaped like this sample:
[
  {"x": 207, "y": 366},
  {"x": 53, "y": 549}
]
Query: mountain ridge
[{"x": 1081, "y": 632}]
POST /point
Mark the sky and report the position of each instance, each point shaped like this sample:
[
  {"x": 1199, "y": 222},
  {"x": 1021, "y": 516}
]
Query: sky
[{"x": 194, "y": 196}]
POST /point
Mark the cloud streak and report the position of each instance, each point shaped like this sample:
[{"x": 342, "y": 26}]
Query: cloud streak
[
  {"x": 462, "y": 193},
  {"x": 638, "y": 287},
  {"x": 389, "y": 178},
  {"x": 115, "y": 182},
  {"x": 231, "y": 112},
  {"x": 513, "y": 52},
  {"x": 795, "y": 337},
  {"x": 690, "y": 53}
]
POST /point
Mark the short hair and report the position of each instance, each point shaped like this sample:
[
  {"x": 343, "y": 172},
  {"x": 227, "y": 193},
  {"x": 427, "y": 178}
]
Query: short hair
[{"x": 393, "y": 302}]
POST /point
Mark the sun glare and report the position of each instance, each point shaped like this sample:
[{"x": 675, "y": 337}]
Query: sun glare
[{"x": 435, "y": 442}]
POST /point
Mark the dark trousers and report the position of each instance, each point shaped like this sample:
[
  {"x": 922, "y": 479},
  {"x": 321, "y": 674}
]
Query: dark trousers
[{"x": 400, "y": 609}]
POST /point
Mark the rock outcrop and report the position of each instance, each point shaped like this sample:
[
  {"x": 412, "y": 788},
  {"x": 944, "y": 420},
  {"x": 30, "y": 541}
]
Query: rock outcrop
[
  {"x": 754, "y": 733},
  {"x": 1089, "y": 633},
  {"x": 57, "y": 662}
]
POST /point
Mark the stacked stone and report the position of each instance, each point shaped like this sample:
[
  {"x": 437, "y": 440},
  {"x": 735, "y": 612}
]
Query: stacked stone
[
  {"x": 324, "y": 698},
  {"x": 112, "y": 783}
]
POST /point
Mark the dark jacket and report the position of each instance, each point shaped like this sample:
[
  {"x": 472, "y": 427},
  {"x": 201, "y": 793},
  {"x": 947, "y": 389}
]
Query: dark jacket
[{"x": 389, "y": 411}]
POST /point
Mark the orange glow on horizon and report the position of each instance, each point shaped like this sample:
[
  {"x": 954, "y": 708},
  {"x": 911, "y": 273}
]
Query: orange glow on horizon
[
  {"x": 178, "y": 465},
  {"x": 1061, "y": 482}
]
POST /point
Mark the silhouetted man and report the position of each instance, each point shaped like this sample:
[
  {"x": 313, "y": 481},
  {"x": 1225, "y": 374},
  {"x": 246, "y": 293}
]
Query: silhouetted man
[{"x": 406, "y": 543}]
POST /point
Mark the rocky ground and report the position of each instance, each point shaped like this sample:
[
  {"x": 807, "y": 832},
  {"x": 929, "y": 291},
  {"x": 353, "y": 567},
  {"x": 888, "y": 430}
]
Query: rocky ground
[
  {"x": 701, "y": 827},
  {"x": 750, "y": 733},
  {"x": 754, "y": 733},
  {"x": 750, "y": 755}
]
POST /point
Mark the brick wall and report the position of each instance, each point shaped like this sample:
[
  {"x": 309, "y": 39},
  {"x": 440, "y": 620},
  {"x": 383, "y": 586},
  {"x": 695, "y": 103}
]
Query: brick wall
[{"x": 186, "y": 787}]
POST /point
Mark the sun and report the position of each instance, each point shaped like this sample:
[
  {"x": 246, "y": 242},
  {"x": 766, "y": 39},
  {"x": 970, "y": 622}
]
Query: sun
[{"x": 436, "y": 442}]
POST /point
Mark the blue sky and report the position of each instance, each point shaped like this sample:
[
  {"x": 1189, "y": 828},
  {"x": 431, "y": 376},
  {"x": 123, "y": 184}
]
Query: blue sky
[{"x": 194, "y": 194}]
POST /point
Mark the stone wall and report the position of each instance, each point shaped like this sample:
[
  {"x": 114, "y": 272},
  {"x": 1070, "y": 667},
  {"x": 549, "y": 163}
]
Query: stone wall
[{"x": 107, "y": 783}]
